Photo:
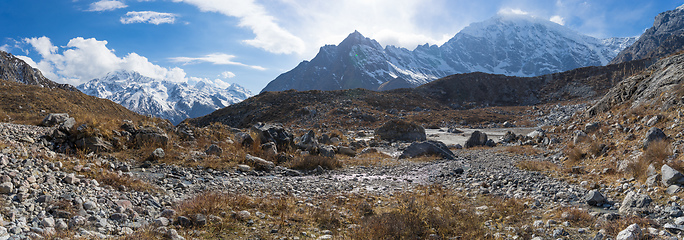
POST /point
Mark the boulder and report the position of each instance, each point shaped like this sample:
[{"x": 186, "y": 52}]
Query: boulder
[
  {"x": 632, "y": 232},
  {"x": 346, "y": 151},
  {"x": 591, "y": 127},
  {"x": 653, "y": 135},
  {"x": 214, "y": 150},
  {"x": 151, "y": 136},
  {"x": 509, "y": 137},
  {"x": 537, "y": 134},
  {"x": 270, "y": 149},
  {"x": 595, "y": 198},
  {"x": 308, "y": 141},
  {"x": 579, "y": 137},
  {"x": 635, "y": 203},
  {"x": 477, "y": 138},
  {"x": 244, "y": 139},
  {"x": 67, "y": 125},
  {"x": 54, "y": 119},
  {"x": 428, "y": 148},
  {"x": 671, "y": 176},
  {"x": 326, "y": 151},
  {"x": 399, "y": 130},
  {"x": 94, "y": 144},
  {"x": 275, "y": 133},
  {"x": 259, "y": 163},
  {"x": 157, "y": 154}
]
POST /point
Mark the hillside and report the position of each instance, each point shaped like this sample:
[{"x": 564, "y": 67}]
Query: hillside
[
  {"x": 29, "y": 104},
  {"x": 16, "y": 70}
]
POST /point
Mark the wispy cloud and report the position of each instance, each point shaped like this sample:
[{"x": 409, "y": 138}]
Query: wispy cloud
[
  {"x": 215, "y": 58},
  {"x": 227, "y": 75},
  {"x": 106, "y": 5},
  {"x": 269, "y": 35},
  {"x": 5, "y": 48},
  {"x": 151, "y": 17}
]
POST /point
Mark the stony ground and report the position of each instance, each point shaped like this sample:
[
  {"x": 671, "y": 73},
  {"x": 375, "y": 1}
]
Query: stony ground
[{"x": 45, "y": 192}]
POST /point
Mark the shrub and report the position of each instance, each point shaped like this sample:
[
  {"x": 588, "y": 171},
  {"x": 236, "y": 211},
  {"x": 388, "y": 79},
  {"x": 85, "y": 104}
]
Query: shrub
[
  {"x": 656, "y": 154},
  {"x": 574, "y": 154}
]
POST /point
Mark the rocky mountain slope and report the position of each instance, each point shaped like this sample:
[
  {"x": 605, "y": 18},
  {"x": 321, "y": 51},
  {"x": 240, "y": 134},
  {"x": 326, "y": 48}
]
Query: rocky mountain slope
[
  {"x": 660, "y": 85},
  {"x": 665, "y": 37},
  {"x": 170, "y": 100},
  {"x": 16, "y": 70},
  {"x": 514, "y": 45}
]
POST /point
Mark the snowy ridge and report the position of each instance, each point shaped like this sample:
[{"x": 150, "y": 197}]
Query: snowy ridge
[
  {"x": 509, "y": 44},
  {"x": 166, "y": 99}
]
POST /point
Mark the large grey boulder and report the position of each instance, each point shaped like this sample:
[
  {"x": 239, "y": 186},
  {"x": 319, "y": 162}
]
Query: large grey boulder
[
  {"x": 399, "y": 130},
  {"x": 595, "y": 198},
  {"x": 428, "y": 148},
  {"x": 54, "y": 119},
  {"x": 477, "y": 138},
  {"x": 259, "y": 163},
  {"x": 632, "y": 232},
  {"x": 94, "y": 144},
  {"x": 654, "y": 134},
  {"x": 274, "y": 133},
  {"x": 635, "y": 203},
  {"x": 308, "y": 141},
  {"x": 151, "y": 136},
  {"x": 671, "y": 176}
]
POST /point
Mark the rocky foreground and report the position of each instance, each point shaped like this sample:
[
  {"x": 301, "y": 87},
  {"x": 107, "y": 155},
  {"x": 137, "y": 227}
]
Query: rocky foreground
[{"x": 47, "y": 193}]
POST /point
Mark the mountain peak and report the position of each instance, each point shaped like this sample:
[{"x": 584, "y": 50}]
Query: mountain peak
[{"x": 356, "y": 38}]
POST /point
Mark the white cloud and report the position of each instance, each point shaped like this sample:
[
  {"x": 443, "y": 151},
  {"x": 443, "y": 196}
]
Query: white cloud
[
  {"x": 106, "y": 5},
  {"x": 5, "y": 48},
  {"x": 214, "y": 58},
  {"x": 513, "y": 11},
  {"x": 269, "y": 35},
  {"x": 148, "y": 17},
  {"x": 82, "y": 60},
  {"x": 227, "y": 74},
  {"x": 557, "y": 19}
]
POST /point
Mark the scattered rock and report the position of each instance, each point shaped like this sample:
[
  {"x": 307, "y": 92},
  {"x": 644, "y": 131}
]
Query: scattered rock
[
  {"x": 595, "y": 198},
  {"x": 477, "y": 138},
  {"x": 592, "y": 127},
  {"x": 635, "y": 203},
  {"x": 151, "y": 136},
  {"x": 54, "y": 119},
  {"x": 259, "y": 163},
  {"x": 274, "y": 133},
  {"x": 244, "y": 139},
  {"x": 214, "y": 150},
  {"x": 671, "y": 176},
  {"x": 157, "y": 154},
  {"x": 654, "y": 134},
  {"x": 428, "y": 148},
  {"x": 632, "y": 232}
]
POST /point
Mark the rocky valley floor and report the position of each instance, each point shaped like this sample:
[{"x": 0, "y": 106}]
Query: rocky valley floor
[{"x": 504, "y": 192}]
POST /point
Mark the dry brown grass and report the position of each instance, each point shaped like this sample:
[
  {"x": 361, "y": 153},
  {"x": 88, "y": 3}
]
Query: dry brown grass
[
  {"x": 28, "y": 104},
  {"x": 524, "y": 150},
  {"x": 655, "y": 154},
  {"x": 615, "y": 226},
  {"x": 369, "y": 159},
  {"x": 310, "y": 162},
  {"x": 575, "y": 154},
  {"x": 538, "y": 166},
  {"x": 578, "y": 217}
]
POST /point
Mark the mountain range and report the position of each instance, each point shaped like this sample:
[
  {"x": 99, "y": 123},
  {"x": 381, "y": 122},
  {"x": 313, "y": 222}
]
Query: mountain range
[
  {"x": 509, "y": 44},
  {"x": 175, "y": 101}
]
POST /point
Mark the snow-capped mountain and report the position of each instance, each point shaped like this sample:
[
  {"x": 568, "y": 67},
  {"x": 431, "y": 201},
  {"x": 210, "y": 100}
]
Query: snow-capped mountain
[
  {"x": 516, "y": 45},
  {"x": 171, "y": 100}
]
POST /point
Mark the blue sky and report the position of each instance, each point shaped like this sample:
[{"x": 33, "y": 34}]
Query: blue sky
[{"x": 250, "y": 42}]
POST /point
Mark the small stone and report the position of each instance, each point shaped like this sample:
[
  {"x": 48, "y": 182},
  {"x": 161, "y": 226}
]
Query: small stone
[
  {"x": 48, "y": 222},
  {"x": 594, "y": 198},
  {"x": 71, "y": 179},
  {"x": 60, "y": 224},
  {"x": 214, "y": 150},
  {"x": 89, "y": 205},
  {"x": 118, "y": 216},
  {"x": 243, "y": 215},
  {"x": 161, "y": 222},
  {"x": 184, "y": 221},
  {"x": 199, "y": 220},
  {"x": 158, "y": 154},
  {"x": 244, "y": 168},
  {"x": 6, "y": 187},
  {"x": 168, "y": 213}
]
